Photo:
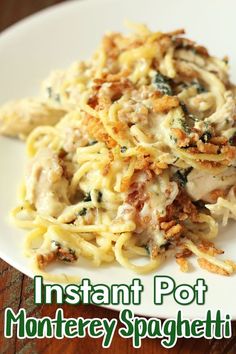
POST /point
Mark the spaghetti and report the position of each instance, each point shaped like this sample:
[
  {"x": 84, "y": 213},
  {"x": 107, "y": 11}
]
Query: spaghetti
[{"x": 131, "y": 155}]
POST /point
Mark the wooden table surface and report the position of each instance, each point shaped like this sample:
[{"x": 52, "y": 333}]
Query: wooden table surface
[{"x": 16, "y": 289}]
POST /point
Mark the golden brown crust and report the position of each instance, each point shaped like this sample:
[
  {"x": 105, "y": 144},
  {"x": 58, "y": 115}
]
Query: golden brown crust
[
  {"x": 144, "y": 162},
  {"x": 232, "y": 264},
  {"x": 230, "y": 151},
  {"x": 182, "y": 139},
  {"x": 125, "y": 183},
  {"x": 186, "y": 43},
  {"x": 60, "y": 253},
  {"x": 209, "y": 248},
  {"x": 164, "y": 104},
  {"x": 204, "y": 264},
  {"x": 180, "y": 209},
  {"x": 218, "y": 140},
  {"x": 207, "y": 148},
  {"x": 44, "y": 259},
  {"x": 97, "y": 131},
  {"x": 183, "y": 264},
  {"x": 216, "y": 193},
  {"x": 183, "y": 253},
  {"x": 175, "y": 231},
  {"x": 166, "y": 225}
]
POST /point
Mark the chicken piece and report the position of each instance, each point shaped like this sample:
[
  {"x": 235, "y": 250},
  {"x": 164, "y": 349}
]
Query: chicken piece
[
  {"x": 200, "y": 183},
  {"x": 19, "y": 118},
  {"x": 46, "y": 186},
  {"x": 73, "y": 133},
  {"x": 227, "y": 111},
  {"x": 64, "y": 87}
]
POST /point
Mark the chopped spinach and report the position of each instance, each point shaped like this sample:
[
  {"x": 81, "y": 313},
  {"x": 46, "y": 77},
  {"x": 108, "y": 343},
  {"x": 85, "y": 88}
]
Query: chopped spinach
[
  {"x": 181, "y": 176},
  {"x": 207, "y": 125},
  {"x": 87, "y": 197},
  {"x": 66, "y": 259},
  {"x": 232, "y": 139},
  {"x": 183, "y": 86},
  {"x": 99, "y": 197},
  {"x": 185, "y": 126},
  {"x": 147, "y": 249},
  {"x": 226, "y": 60},
  {"x": 186, "y": 112},
  {"x": 72, "y": 251},
  {"x": 177, "y": 158},
  {"x": 206, "y": 137},
  {"x": 173, "y": 138},
  {"x": 82, "y": 212},
  {"x": 68, "y": 256},
  {"x": 162, "y": 83},
  {"x": 184, "y": 107},
  {"x": 199, "y": 87},
  {"x": 199, "y": 204},
  {"x": 49, "y": 92},
  {"x": 52, "y": 95},
  {"x": 123, "y": 149},
  {"x": 192, "y": 117},
  {"x": 165, "y": 245},
  {"x": 193, "y": 49},
  {"x": 55, "y": 243},
  {"x": 93, "y": 142},
  {"x": 57, "y": 98}
]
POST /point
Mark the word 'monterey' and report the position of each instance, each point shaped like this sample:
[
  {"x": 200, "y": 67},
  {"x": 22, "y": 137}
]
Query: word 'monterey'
[{"x": 137, "y": 328}]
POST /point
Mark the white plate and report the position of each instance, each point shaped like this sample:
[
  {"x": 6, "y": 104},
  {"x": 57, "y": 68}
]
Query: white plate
[{"x": 56, "y": 37}]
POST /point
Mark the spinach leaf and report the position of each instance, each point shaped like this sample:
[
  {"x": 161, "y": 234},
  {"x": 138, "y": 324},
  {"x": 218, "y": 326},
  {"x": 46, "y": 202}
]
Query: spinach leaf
[
  {"x": 99, "y": 197},
  {"x": 206, "y": 137},
  {"x": 52, "y": 95},
  {"x": 232, "y": 139},
  {"x": 181, "y": 176},
  {"x": 87, "y": 197},
  {"x": 162, "y": 83},
  {"x": 82, "y": 212},
  {"x": 199, "y": 87}
]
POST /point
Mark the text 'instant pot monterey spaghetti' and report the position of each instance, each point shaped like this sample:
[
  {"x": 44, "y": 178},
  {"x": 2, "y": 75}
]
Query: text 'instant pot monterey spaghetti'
[{"x": 132, "y": 154}]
